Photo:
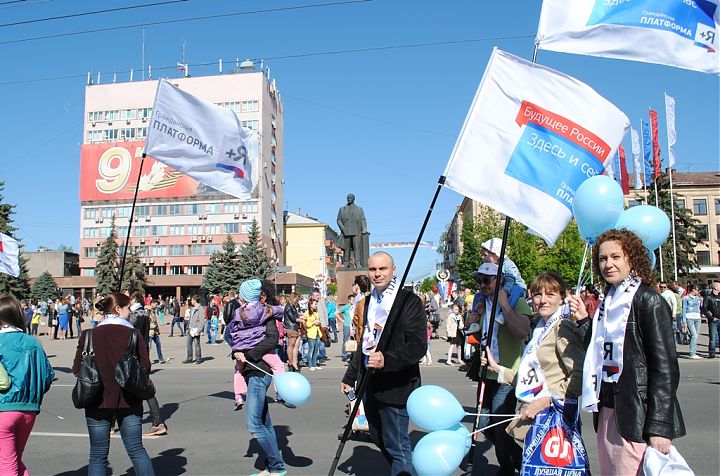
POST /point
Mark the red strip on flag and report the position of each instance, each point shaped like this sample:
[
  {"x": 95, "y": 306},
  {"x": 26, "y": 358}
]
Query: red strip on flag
[
  {"x": 624, "y": 177},
  {"x": 656, "y": 142}
]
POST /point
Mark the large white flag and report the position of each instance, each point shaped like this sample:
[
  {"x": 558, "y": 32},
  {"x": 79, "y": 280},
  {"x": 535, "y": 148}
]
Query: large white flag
[
  {"x": 205, "y": 141},
  {"x": 9, "y": 256},
  {"x": 680, "y": 33},
  {"x": 670, "y": 123},
  {"x": 637, "y": 161},
  {"x": 531, "y": 137}
]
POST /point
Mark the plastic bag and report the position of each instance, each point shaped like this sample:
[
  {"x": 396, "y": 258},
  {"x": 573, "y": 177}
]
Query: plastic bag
[
  {"x": 671, "y": 464},
  {"x": 553, "y": 445},
  {"x": 360, "y": 422}
]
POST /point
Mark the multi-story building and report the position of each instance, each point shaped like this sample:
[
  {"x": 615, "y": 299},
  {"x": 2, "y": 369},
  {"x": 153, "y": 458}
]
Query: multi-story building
[
  {"x": 700, "y": 193},
  {"x": 178, "y": 223},
  {"x": 312, "y": 248}
]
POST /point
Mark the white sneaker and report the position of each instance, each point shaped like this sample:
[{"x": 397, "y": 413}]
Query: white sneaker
[{"x": 695, "y": 357}]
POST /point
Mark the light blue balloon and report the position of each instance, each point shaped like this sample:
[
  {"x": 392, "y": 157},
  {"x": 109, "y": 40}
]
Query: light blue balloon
[
  {"x": 465, "y": 433},
  {"x": 293, "y": 388},
  {"x": 434, "y": 408},
  {"x": 597, "y": 204},
  {"x": 651, "y": 255},
  {"x": 649, "y": 223},
  {"x": 438, "y": 453}
]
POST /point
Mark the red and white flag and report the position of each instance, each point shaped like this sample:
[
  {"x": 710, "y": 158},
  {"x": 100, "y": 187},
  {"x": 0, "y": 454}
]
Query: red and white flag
[{"x": 9, "y": 256}]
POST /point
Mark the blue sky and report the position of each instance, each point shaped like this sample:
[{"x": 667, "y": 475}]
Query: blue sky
[{"x": 379, "y": 123}]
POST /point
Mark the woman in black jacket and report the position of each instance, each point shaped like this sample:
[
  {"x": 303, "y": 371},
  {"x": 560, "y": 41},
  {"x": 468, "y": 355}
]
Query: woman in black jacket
[
  {"x": 631, "y": 373},
  {"x": 292, "y": 329}
]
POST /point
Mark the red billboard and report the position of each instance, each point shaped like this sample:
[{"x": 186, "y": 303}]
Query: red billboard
[{"x": 109, "y": 171}]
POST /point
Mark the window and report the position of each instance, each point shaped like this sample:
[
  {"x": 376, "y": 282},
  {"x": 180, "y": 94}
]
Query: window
[
  {"x": 717, "y": 206},
  {"x": 194, "y": 230},
  {"x": 128, "y": 114},
  {"x": 158, "y": 270},
  {"x": 108, "y": 212},
  {"x": 142, "y": 211},
  {"x": 194, "y": 250},
  {"x": 128, "y": 133},
  {"x": 212, "y": 229},
  {"x": 157, "y": 250},
  {"x": 249, "y": 106},
  {"x": 679, "y": 203},
  {"x": 245, "y": 228},
  {"x": 194, "y": 269},
  {"x": 104, "y": 232},
  {"x": 699, "y": 206},
  {"x": 176, "y": 270},
  {"x": 176, "y": 230},
  {"x": 110, "y": 134},
  {"x": 231, "y": 228},
  {"x": 212, "y": 208},
  {"x": 250, "y": 207},
  {"x": 175, "y": 209},
  {"x": 701, "y": 232},
  {"x": 112, "y": 115},
  {"x": 210, "y": 249},
  {"x": 90, "y": 252},
  {"x": 123, "y": 212},
  {"x": 145, "y": 112},
  {"x": 88, "y": 271},
  {"x": 176, "y": 250},
  {"x": 232, "y": 208},
  {"x": 160, "y": 210},
  {"x": 142, "y": 132},
  {"x": 702, "y": 258},
  {"x": 141, "y": 251},
  {"x": 252, "y": 125},
  {"x": 142, "y": 231},
  {"x": 631, "y": 203},
  {"x": 159, "y": 230},
  {"x": 91, "y": 213},
  {"x": 122, "y": 231},
  {"x": 195, "y": 208}
]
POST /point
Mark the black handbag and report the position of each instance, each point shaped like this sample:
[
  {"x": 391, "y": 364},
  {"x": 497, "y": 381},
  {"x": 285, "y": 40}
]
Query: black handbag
[
  {"x": 131, "y": 375},
  {"x": 88, "y": 389}
]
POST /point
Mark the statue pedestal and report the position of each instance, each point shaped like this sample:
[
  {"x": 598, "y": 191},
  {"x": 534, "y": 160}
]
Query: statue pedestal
[{"x": 345, "y": 280}]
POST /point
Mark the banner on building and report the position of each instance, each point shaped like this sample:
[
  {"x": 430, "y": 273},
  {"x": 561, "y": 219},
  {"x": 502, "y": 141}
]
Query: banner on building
[
  {"x": 531, "y": 137},
  {"x": 680, "y": 33},
  {"x": 205, "y": 141},
  {"x": 9, "y": 256}
]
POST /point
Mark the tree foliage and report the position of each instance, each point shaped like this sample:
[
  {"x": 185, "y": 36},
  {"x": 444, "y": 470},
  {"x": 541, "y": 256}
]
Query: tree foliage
[
  {"x": 470, "y": 257},
  {"x": 106, "y": 263},
  {"x": 253, "y": 261},
  {"x": 20, "y": 286},
  {"x": 222, "y": 274},
  {"x": 134, "y": 277},
  {"x": 44, "y": 287},
  {"x": 427, "y": 284}
]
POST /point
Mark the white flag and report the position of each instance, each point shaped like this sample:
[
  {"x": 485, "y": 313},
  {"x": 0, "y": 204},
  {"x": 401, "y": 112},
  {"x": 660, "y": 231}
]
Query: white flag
[
  {"x": 680, "y": 33},
  {"x": 9, "y": 256},
  {"x": 205, "y": 141},
  {"x": 670, "y": 123},
  {"x": 531, "y": 137},
  {"x": 637, "y": 161}
]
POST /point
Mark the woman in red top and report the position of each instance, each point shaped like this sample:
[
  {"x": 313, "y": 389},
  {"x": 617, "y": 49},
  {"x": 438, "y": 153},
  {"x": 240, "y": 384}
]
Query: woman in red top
[{"x": 110, "y": 339}]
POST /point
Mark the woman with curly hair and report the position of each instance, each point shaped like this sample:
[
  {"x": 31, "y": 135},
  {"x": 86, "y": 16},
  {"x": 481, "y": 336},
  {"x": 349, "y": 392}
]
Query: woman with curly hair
[{"x": 630, "y": 374}]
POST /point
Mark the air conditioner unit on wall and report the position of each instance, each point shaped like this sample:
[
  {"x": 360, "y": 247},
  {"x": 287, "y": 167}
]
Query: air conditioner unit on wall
[
  {"x": 193, "y": 239},
  {"x": 209, "y": 238},
  {"x": 142, "y": 241},
  {"x": 147, "y": 218},
  {"x": 157, "y": 240},
  {"x": 202, "y": 238}
]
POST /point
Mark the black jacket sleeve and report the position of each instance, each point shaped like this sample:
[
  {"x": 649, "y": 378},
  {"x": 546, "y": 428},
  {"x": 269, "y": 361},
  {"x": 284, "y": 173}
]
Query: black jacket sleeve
[{"x": 266, "y": 345}]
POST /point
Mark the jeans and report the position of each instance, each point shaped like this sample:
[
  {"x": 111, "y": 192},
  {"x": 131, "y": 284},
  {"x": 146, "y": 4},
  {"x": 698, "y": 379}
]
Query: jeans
[
  {"x": 176, "y": 320},
  {"x": 313, "y": 347},
  {"x": 213, "y": 334},
  {"x": 131, "y": 433},
  {"x": 191, "y": 342},
  {"x": 257, "y": 418},
  {"x": 694, "y": 328},
  {"x": 78, "y": 326},
  {"x": 500, "y": 398},
  {"x": 207, "y": 331},
  {"x": 15, "y": 428},
  {"x": 154, "y": 410},
  {"x": 389, "y": 429},
  {"x": 304, "y": 349},
  {"x": 332, "y": 325},
  {"x": 714, "y": 331},
  {"x": 346, "y": 337},
  {"x": 158, "y": 347}
]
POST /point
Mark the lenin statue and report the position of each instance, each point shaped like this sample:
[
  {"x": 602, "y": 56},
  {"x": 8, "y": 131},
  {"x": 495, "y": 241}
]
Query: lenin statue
[{"x": 351, "y": 221}]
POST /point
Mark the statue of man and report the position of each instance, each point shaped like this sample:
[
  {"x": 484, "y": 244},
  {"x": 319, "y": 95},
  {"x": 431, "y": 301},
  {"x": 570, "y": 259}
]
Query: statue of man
[{"x": 353, "y": 227}]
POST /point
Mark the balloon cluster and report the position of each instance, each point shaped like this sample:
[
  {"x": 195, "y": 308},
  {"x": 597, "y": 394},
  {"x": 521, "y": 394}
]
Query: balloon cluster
[
  {"x": 441, "y": 451},
  {"x": 598, "y": 207}
]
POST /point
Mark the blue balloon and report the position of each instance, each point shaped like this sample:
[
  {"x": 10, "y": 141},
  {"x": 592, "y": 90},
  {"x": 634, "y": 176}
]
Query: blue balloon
[
  {"x": 651, "y": 255},
  {"x": 434, "y": 408},
  {"x": 293, "y": 388},
  {"x": 465, "y": 433},
  {"x": 649, "y": 223},
  {"x": 438, "y": 453},
  {"x": 597, "y": 204}
]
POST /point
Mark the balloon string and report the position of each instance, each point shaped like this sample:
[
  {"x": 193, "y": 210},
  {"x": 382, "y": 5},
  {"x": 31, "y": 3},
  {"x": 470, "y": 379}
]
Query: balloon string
[
  {"x": 582, "y": 268},
  {"x": 493, "y": 414},
  {"x": 258, "y": 368},
  {"x": 495, "y": 424}
]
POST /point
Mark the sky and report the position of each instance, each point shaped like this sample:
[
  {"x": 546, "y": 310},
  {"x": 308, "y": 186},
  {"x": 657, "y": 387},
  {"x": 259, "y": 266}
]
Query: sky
[{"x": 375, "y": 94}]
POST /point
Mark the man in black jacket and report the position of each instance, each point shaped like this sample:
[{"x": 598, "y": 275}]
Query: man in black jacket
[
  {"x": 394, "y": 340},
  {"x": 711, "y": 307}
]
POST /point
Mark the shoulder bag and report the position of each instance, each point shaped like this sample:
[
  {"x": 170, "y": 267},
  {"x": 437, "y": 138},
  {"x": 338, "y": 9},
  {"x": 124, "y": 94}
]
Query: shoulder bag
[
  {"x": 131, "y": 375},
  {"x": 88, "y": 389}
]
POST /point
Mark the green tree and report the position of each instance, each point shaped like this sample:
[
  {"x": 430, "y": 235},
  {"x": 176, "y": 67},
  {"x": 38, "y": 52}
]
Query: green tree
[
  {"x": 134, "y": 277},
  {"x": 44, "y": 287},
  {"x": 213, "y": 276},
  {"x": 20, "y": 286},
  {"x": 222, "y": 274},
  {"x": 427, "y": 284},
  {"x": 106, "y": 263},
  {"x": 66, "y": 248},
  {"x": 253, "y": 262},
  {"x": 470, "y": 257}
]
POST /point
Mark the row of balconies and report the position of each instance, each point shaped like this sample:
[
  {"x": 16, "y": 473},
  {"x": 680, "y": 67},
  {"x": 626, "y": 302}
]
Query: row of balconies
[
  {"x": 202, "y": 216},
  {"x": 194, "y": 239}
]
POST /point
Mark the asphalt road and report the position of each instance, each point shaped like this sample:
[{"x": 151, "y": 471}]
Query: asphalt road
[{"x": 206, "y": 437}]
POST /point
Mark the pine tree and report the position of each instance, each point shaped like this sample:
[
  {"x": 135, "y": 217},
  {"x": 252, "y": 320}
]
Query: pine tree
[
  {"x": 134, "y": 277},
  {"x": 44, "y": 287},
  {"x": 106, "y": 263},
  {"x": 20, "y": 286},
  {"x": 212, "y": 278},
  {"x": 253, "y": 262},
  {"x": 686, "y": 229}
]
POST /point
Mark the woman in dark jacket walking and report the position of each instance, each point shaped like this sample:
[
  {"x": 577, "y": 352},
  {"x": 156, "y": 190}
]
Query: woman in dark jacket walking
[
  {"x": 110, "y": 340},
  {"x": 631, "y": 373},
  {"x": 292, "y": 329}
]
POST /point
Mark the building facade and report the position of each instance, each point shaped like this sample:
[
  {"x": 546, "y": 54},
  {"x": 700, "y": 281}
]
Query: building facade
[
  {"x": 312, "y": 248},
  {"x": 178, "y": 223}
]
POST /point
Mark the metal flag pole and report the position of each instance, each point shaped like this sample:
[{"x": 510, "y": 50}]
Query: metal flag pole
[
  {"x": 364, "y": 379},
  {"x": 657, "y": 204},
  {"x": 130, "y": 222},
  {"x": 672, "y": 221}
]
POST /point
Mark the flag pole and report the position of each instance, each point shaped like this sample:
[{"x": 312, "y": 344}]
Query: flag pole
[
  {"x": 364, "y": 380},
  {"x": 642, "y": 152},
  {"x": 672, "y": 215},
  {"x": 657, "y": 204},
  {"x": 130, "y": 222}
]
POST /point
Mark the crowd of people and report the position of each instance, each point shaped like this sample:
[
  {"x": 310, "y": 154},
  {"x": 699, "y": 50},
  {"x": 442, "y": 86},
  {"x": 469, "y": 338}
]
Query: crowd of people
[{"x": 611, "y": 347}]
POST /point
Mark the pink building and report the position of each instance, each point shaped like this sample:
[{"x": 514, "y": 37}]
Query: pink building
[{"x": 178, "y": 223}]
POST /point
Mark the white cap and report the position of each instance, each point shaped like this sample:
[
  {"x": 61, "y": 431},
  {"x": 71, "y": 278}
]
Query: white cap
[
  {"x": 493, "y": 245},
  {"x": 487, "y": 269}
]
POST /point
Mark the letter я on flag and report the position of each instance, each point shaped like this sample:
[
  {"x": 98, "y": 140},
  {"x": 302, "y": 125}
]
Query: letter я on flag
[
  {"x": 205, "y": 141},
  {"x": 531, "y": 137},
  {"x": 9, "y": 256}
]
